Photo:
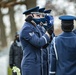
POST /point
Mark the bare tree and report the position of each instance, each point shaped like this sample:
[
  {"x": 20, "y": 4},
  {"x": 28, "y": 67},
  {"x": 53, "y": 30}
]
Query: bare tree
[
  {"x": 2, "y": 33},
  {"x": 53, "y": 7},
  {"x": 12, "y": 22},
  {"x": 30, "y": 3},
  {"x": 10, "y": 4}
]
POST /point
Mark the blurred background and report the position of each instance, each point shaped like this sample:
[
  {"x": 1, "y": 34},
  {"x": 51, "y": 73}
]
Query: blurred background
[{"x": 12, "y": 19}]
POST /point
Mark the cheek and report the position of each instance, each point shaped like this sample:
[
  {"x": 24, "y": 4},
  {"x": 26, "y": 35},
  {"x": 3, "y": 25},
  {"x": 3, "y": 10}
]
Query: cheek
[
  {"x": 36, "y": 16},
  {"x": 41, "y": 16}
]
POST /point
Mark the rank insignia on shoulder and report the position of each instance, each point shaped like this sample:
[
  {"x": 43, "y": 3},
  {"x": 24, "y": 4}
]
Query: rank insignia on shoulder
[{"x": 31, "y": 34}]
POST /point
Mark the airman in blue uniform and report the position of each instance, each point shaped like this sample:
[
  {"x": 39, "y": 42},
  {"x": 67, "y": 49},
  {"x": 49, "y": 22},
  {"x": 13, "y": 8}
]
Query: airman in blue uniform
[
  {"x": 63, "y": 49},
  {"x": 32, "y": 41},
  {"x": 44, "y": 51}
]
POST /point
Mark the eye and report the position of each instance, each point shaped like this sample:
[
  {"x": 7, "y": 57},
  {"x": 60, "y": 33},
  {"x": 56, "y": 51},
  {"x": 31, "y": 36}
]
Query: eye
[
  {"x": 38, "y": 15},
  {"x": 43, "y": 15}
]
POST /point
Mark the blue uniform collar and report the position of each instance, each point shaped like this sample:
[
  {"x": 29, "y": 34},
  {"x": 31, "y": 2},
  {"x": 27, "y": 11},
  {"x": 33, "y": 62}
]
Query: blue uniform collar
[{"x": 67, "y": 34}]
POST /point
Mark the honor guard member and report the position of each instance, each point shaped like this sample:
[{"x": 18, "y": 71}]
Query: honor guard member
[
  {"x": 47, "y": 19},
  {"x": 32, "y": 41},
  {"x": 39, "y": 21},
  {"x": 44, "y": 56},
  {"x": 44, "y": 53},
  {"x": 41, "y": 28},
  {"x": 63, "y": 49},
  {"x": 46, "y": 26}
]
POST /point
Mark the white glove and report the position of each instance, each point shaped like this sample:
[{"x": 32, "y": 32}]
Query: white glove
[{"x": 16, "y": 69}]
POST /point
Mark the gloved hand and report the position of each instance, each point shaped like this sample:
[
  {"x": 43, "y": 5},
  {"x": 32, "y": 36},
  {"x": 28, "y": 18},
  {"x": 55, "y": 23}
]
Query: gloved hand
[
  {"x": 50, "y": 30},
  {"x": 29, "y": 18},
  {"x": 49, "y": 20},
  {"x": 16, "y": 69}
]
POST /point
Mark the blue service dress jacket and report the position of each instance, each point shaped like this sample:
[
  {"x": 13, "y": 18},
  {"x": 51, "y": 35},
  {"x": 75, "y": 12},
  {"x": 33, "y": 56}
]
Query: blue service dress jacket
[
  {"x": 32, "y": 41},
  {"x": 44, "y": 53},
  {"x": 63, "y": 54}
]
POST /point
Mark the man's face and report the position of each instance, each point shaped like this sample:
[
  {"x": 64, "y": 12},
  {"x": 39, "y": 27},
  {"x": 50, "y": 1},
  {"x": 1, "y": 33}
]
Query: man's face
[{"x": 17, "y": 38}]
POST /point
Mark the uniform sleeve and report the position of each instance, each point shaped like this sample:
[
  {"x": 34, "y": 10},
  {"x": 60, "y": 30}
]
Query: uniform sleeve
[
  {"x": 29, "y": 35},
  {"x": 11, "y": 55},
  {"x": 52, "y": 61}
]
